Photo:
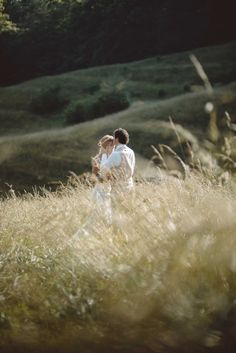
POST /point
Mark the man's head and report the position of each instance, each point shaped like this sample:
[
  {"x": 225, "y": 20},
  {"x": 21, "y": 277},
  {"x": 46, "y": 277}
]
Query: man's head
[{"x": 121, "y": 136}]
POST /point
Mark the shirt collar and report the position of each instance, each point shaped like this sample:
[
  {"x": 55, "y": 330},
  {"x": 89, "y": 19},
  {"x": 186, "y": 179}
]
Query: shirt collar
[{"x": 119, "y": 146}]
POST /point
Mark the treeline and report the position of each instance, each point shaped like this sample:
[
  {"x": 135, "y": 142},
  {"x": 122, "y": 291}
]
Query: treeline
[{"x": 39, "y": 37}]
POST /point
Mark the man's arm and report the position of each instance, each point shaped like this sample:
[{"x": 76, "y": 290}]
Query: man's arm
[{"x": 113, "y": 160}]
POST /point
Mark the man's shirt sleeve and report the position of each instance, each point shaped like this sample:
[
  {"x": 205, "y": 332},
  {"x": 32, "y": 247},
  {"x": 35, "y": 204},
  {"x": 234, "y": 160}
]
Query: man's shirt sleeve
[{"x": 114, "y": 160}]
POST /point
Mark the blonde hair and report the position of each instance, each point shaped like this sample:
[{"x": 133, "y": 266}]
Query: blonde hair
[
  {"x": 105, "y": 139},
  {"x": 101, "y": 143}
]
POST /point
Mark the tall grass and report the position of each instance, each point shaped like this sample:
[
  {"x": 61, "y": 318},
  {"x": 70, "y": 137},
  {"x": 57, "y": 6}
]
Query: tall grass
[{"x": 160, "y": 279}]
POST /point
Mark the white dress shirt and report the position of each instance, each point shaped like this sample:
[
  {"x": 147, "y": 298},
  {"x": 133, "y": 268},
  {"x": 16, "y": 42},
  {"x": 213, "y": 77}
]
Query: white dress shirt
[{"x": 121, "y": 163}]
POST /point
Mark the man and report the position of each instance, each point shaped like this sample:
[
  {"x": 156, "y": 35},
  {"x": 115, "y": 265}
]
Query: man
[{"x": 121, "y": 163}]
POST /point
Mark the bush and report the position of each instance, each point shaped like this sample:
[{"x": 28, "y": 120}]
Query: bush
[
  {"x": 48, "y": 101},
  {"x": 187, "y": 87},
  {"x": 99, "y": 106},
  {"x": 79, "y": 111},
  {"x": 111, "y": 102},
  {"x": 161, "y": 93},
  {"x": 93, "y": 89}
]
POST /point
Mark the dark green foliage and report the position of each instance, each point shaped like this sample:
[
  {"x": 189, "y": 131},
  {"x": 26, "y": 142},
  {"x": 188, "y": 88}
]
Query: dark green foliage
[
  {"x": 48, "y": 101},
  {"x": 96, "y": 107},
  {"x": 93, "y": 89},
  {"x": 79, "y": 111},
  {"x": 111, "y": 102},
  {"x": 63, "y": 35},
  {"x": 161, "y": 93},
  {"x": 6, "y": 25},
  {"x": 187, "y": 87}
]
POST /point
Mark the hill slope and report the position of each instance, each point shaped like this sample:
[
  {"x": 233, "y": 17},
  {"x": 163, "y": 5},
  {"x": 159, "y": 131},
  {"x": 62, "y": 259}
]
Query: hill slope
[
  {"x": 40, "y": 149},
  {"x": 47, "y": 156},
  {"x": 150, "y": 79}
]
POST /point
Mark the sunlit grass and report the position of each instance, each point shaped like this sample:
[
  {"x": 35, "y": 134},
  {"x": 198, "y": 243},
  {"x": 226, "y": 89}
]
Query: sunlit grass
[{"x": 160, "y": 279}]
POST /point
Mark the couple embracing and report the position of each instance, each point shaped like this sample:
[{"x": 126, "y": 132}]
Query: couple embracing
[{"x": 113, "y": 167}]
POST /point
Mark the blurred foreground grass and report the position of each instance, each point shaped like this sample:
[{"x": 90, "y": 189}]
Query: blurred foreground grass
[{"x": 161, "y": 280}]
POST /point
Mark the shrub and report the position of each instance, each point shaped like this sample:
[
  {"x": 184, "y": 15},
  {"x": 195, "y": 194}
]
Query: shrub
[
  {"x": 48, "y": 101},
  {"x": 78, "y": 112},
  {"x": 93, "y": 89},
  {"x": 187, "y": 87},
  {"x": 111, "y": 102},
  {"x": 96, "y": 107},
  {"x": 161, "y": 93}
]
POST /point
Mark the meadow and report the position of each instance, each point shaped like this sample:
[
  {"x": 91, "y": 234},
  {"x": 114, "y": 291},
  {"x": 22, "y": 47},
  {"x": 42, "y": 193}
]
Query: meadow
[{"x": 160, "y": 279}]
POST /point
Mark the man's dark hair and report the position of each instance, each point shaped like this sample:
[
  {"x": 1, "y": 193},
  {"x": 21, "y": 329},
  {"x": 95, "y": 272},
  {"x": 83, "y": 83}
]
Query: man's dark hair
[{"x": 122, "y": 136}]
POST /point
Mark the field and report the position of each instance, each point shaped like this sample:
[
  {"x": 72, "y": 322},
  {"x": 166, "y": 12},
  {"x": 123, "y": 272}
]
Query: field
[{"x": 161, "y": 279}]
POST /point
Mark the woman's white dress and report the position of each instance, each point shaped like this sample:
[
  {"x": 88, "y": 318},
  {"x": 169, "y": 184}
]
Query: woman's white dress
[
  {"x": 101, "y": 196},
  {"x": 101, "y": 202}
]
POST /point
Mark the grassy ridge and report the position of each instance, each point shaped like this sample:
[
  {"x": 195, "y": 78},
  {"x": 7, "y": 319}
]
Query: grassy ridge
[
  {"x": 48, "y": 156},
  {"x": 143, "y": 80},
  {"x": 39, "y": 149}
]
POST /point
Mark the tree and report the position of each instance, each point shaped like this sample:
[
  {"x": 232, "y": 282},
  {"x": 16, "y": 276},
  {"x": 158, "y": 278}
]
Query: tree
[
  {"x": 6, "y": 24},
  {"x": 55, "y": 36}
]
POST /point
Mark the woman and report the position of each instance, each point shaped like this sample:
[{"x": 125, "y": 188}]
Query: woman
[
  {"x": 101, "y": 193},
  {"x": 106, "y": 144},
  {"x": 102, "y": 189}
]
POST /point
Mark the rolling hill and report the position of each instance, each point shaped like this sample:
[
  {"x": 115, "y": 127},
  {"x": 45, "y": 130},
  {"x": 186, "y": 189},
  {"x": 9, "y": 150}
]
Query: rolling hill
[{"x": 38, "y": 149}]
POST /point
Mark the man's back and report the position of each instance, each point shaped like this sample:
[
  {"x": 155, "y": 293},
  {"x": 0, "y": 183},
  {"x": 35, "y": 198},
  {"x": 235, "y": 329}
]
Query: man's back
[{"x": 121, "y": 163}]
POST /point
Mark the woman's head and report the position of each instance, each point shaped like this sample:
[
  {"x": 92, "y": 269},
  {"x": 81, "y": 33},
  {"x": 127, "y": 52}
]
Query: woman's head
[{"x": 106, "y": 141}]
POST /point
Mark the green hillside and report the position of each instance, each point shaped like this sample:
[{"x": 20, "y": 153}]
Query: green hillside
[
  {"x": 151, "y": 79},
  {"x": 37, "y": 149}
]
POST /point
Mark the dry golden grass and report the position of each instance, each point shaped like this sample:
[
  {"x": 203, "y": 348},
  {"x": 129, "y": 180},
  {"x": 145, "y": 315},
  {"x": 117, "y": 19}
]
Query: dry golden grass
[{"x": 160, "y": 279}]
